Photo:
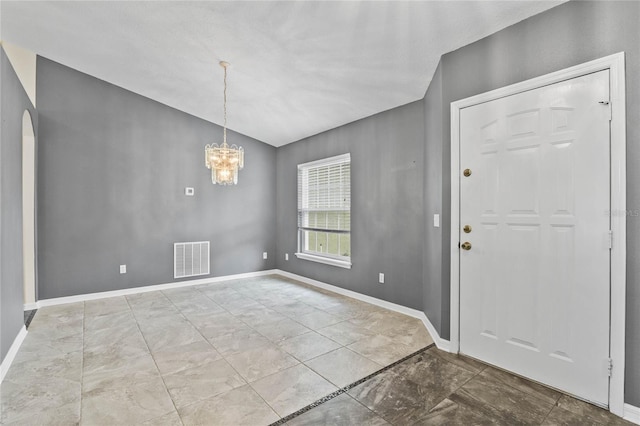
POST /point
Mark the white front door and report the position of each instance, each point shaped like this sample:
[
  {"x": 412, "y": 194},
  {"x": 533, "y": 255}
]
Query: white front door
[{"x": 534, "y": 283}]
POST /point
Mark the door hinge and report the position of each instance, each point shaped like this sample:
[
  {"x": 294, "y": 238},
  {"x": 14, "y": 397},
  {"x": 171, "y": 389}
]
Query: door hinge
[
  {"x": 608, "y": 105},
  {"x": 610, "y": 239},
  {"x": 609, "y": 366}
]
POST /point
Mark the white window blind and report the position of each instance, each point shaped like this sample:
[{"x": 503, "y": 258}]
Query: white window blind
[{"x": 324, "y": 209}]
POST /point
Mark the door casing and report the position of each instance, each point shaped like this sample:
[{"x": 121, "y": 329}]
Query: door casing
[
  {"x": 28, "y": 210},
  {"x": 615, "y": 64}
]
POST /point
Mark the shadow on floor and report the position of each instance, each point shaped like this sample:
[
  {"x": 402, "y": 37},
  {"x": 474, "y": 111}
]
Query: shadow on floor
[{"x": 28, "y": 316}]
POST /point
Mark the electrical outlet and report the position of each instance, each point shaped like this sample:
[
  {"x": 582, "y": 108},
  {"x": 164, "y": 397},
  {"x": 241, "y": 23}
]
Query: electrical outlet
[
  {"x": 381, "y": 278},
  {"x": 264, "y": 255},
  {"x": 123, "y": 269},
  {"x": 189, "y": 191},
  {"x": 286, "y": 256}
]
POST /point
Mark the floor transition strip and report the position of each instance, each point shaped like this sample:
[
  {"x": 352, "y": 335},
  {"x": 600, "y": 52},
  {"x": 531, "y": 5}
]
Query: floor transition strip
[{"x": 346, "y": 388}]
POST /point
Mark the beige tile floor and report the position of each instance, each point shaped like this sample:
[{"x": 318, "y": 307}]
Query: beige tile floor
[{"x": 248, "y": 351}]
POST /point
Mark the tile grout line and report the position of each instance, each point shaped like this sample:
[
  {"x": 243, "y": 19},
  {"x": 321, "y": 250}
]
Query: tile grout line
[
  {"x": 529, "y": 394},
  {"x": 555, "y": 404},
  {"x": 300, "y": 362},
  {"x": 205, "y": 338},
  {"x": 236, "y": 317},
  {"x": 225, "y": 309},
  {"x": 276, "y": 344},
  {"x": 347, "y": 388},
  {"x": 487, "y": 366},
  {"x": 549, "y": 413},
  {"x": 367, "y": 408},
  {"x": 133, "y": 313},
  {"x": 476, "y": 374},
  {"x": 248, "y": 383},
  {"x": 224, "y": 358},
  {"x": 84, "y": 313},
  {"x": 258, "y": 393}
]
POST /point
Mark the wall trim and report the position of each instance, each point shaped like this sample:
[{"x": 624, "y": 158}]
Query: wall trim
[
  {"x": 440, "y": 342},
  {"x": 145, "y": 289},
  {"x": 30, "y": 306},
  {"x": 632, "y": 413},
  {"x": 13, "y": 351},
  {"x": 615, "y": 63}
]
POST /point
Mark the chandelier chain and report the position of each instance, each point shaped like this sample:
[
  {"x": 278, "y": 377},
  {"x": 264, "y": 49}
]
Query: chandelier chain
[{"x": 225, "y": 105}]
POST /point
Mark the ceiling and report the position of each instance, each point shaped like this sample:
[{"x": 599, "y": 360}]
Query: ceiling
[{"x": 298, "y": 68}]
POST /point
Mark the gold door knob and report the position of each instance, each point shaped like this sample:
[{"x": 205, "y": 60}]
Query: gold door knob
[
  {"x": 467, "y": 172},
  {"x": 466, "y": 229},
  {"x": 466, "y": 245}
]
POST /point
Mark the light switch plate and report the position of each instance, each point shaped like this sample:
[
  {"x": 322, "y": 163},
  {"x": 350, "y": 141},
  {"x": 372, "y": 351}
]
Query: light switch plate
[
  {"x": 189, "y": 191},
  {"x": 436, "y": 220}
]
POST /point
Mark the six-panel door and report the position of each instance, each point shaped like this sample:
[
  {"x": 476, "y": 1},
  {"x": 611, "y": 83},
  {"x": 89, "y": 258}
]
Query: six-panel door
[{"x": 534, "y": 285}]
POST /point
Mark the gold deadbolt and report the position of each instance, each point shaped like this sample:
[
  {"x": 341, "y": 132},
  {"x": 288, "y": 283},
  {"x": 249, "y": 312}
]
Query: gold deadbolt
[
  {"x": 466, "y": 245},
  {"x": 466, "y": 229},
  {"x": 467, "y": 172}
]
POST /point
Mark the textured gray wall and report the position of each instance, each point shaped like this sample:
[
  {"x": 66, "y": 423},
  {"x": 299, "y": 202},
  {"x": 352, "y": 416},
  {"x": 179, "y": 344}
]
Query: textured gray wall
[
  {"x": 564, "y": 36},
  {"x": 432, "y": 190},
  {"x": 14, "y": 102},
  {"x": 386, "y": 204},
  {"x": 113, "y": 166}
]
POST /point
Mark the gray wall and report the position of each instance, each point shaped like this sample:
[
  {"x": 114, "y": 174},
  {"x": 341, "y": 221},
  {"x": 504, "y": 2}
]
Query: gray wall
[
  {"x": 14, "y": 102},
  {"x": 432, "y": 193},
  {"x": 386, "y": 204},
  {"x": 113, "y": 166},
  {"x": 564, "y": 36}
]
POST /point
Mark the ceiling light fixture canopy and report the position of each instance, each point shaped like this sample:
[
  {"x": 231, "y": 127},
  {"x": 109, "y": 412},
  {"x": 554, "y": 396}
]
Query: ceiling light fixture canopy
[{"x": 224, "y": 161}]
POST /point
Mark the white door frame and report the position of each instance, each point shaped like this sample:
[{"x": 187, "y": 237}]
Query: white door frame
[
  {"x": 614, "y": 63},
  {"x": 28, "y": 210}
]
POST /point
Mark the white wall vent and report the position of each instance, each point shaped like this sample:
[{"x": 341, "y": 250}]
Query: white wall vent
[{"x": 190, "y": 259}]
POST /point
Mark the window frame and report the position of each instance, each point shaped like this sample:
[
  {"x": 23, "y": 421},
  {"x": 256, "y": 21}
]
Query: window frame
[{"x": 325, "y": 258}]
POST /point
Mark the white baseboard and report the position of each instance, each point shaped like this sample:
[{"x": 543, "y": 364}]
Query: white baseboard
[
  {"x": 30, "y": 306},
  {"x": 440, "y": 343},
  {"x": 145, "y": 289},
  {"x": 631, "y": 413},
  {"x": 13, "y": 350}
]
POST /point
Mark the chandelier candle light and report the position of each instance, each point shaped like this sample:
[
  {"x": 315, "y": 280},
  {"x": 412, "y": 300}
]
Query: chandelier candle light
[{"x": 224, "y": 160}]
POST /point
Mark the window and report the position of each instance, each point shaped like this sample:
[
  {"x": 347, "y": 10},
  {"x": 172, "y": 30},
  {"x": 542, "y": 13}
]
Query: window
[{"x": 324, "y": 211}]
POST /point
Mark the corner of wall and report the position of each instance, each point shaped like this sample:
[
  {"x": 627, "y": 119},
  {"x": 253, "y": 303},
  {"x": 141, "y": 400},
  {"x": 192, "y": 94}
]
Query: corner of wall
[
  {"x": 24, "y": 63},
  {"x": 432, "y": 187}
]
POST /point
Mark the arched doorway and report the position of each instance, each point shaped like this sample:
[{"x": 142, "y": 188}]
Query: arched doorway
[{"x": 28, "y": 208}]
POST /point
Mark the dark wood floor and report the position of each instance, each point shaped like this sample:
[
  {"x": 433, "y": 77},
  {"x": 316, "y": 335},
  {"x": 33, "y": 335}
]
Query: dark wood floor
[{"x": 438, "y": 388}]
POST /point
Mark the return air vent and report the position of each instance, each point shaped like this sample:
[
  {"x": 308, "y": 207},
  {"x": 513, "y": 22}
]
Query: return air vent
[{"x": 190, "y": 259}]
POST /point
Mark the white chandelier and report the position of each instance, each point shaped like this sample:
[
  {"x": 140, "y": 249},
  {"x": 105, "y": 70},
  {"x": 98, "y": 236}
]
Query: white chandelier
[{"x": 224, "y": 160}]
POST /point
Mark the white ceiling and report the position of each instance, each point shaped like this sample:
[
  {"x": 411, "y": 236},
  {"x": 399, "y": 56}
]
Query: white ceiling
[{"x": 297, "y": 68}]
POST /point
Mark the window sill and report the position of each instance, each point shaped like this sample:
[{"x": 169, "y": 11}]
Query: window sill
[{"x": 326, "y": 260}]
